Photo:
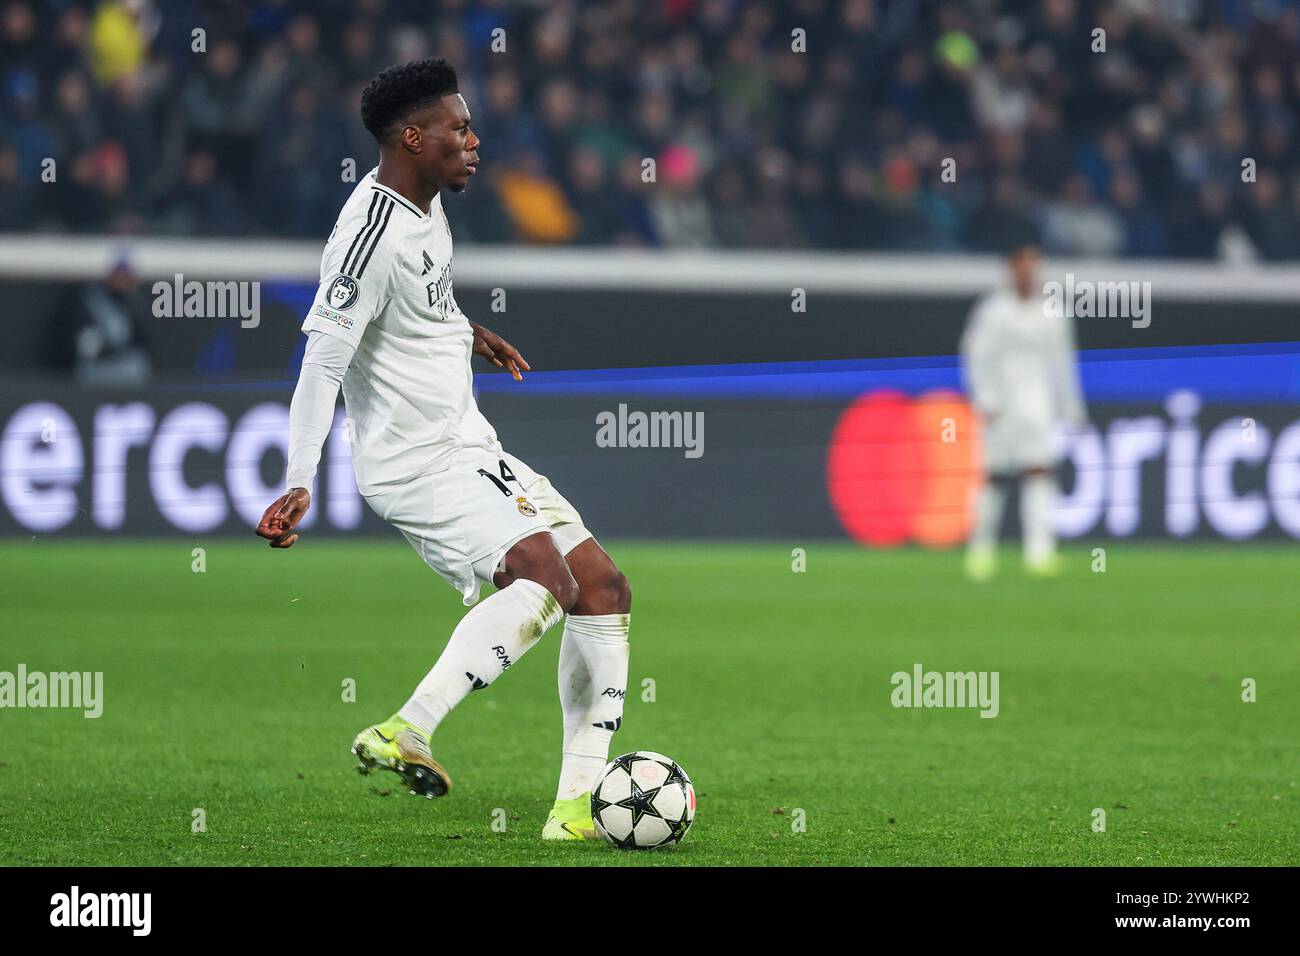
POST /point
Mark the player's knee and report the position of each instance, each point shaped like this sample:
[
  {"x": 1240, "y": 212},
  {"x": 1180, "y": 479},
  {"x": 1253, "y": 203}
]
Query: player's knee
[
  {"x": 536, "y": 559},
  {"x": 558, "y": 579},
  {"x": 621, "y": 591},
  {"x": 606, "y": 593},
  {"x": 564, "y": 589}
]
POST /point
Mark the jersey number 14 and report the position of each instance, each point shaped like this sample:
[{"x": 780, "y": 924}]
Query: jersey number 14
[{"x": 506, "y": 475}]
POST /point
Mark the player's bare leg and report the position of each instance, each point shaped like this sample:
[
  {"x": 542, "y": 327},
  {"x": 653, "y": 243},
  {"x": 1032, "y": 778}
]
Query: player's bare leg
[
  {"x": 602, "y": 587},
  {"x": 493, "y": 635},
  {"x": 536, "y": 558}
]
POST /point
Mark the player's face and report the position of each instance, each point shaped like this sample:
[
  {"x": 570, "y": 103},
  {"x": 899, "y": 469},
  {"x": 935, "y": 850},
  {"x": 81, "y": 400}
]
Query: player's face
[
  {"x": 1024, "y": 269},
  {"x": 452, "y": 152}
]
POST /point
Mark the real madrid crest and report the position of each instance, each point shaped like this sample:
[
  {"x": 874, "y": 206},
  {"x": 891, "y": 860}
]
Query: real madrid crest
[{"x": 525, "y": 507}]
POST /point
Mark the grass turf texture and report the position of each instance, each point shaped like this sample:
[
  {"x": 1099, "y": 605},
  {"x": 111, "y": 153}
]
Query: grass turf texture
[{"x": 223, "y": 692}]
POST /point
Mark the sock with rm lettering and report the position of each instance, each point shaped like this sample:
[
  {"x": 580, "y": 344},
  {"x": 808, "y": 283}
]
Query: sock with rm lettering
[
  {"x": 593, "y": 684},
  {"x": 490, "y": 638}
]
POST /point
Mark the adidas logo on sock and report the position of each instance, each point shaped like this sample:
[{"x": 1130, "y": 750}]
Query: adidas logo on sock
[
  {"x": 478, "y": 684},
  {"x": 609, "y": 724}
]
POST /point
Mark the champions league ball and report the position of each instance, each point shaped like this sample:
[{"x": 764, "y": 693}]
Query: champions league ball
[{"x": 642, "y": 801}]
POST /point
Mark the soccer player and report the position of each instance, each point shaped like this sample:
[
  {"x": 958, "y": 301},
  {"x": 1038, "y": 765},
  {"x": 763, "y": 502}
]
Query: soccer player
[
  {"x": 1019, "y": 365},
  {"x": 385, "y": 325}
]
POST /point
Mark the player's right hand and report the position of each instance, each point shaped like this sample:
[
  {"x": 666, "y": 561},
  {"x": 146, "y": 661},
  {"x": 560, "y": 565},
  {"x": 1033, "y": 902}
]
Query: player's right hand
[{"x": 282, "y": 517}]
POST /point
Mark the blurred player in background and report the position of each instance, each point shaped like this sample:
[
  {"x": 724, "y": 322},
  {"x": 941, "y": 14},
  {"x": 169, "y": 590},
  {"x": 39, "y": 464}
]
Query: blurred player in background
[{"x": 1019, "y": 366}]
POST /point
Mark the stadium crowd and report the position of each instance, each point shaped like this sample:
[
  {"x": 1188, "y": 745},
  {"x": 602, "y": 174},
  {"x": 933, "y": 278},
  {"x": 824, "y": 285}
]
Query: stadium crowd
[{"x": 1180, "y": 139}]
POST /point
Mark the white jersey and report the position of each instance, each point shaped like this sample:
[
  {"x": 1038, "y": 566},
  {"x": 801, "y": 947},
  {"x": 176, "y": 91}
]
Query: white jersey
[
  {"x": 386, "y": 290},
  {"x": 1018, "y": 358},
  {"x": 1019, "y": 366}
]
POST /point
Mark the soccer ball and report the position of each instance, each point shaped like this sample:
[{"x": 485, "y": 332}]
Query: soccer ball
[{"x": 642, "y": 801}]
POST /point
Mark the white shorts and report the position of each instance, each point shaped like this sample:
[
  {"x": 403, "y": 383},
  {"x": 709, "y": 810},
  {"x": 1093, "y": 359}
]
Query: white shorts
[
  {"x": 1013, "y": 445},
  {"x": 463, "y": 520}
]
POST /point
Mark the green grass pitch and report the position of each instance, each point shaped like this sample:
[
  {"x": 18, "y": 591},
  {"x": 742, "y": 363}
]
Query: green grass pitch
[{"x": 223, "y": 691}]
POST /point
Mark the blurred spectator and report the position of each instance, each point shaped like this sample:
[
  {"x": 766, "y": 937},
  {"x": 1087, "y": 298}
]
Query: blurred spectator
[
  {"x": 19, "y": 207},
  {"x": 679, "y": 211},
  {"x": 97, "y": 330},
  {"x": 1135, "y": 151},
  {"x": 1270, "y": 225},
  {"x": 1144, "y": 233},
  {"x": 593, "y": 193},
  {"x": 537, "y": 208},
  {"x": 23, "y": 128},
  {"x": 1075, "y": 225},
  {"x": 75, "y": 124},
  {"x": 20, "y": 49},
  {"x": 201, "y": 202},
  {"x": 118, "y": 39}
]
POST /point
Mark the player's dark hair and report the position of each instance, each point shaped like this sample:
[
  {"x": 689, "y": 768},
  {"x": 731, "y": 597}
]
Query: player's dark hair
[{"x": 400, "y": 90}]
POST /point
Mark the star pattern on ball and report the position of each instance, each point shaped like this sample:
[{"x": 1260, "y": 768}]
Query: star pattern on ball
[
  {"x": 677, "y": 775},
  {"x": 641, "y": 803},
  {"x": 624, "y": 762},
  {"x": 626, "y": 843},
  {"x": 678, "y": 828}
]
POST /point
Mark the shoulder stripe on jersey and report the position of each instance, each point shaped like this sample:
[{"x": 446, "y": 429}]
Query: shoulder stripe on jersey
[
  {"x": 367, "y": 235},
  {"x": 370, "y": 235},
  {"x": 370, "y": 215},
  {"x": 388, "y": 214},
  {"x": 399, "y": 197}
]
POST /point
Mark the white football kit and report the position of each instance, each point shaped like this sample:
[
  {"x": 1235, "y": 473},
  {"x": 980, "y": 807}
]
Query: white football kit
[
  {"x": 385, "y": 325},
  {"x": 1019, "y": 366}
]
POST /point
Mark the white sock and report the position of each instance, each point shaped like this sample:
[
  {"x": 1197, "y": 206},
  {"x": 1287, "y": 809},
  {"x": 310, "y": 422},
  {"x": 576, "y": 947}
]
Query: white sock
[
  {"x": 593, "y": 683},
  {"x": 990, "y": 499},
  {"x": 492, "y": 636},
  {"x": 1037, "y": 495}
]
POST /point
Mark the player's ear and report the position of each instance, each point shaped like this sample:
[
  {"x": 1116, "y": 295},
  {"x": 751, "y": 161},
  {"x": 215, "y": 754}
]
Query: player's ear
[{"x": 411, "y": 138}]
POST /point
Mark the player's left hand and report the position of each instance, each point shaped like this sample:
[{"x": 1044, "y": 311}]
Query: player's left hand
[{"x": 499, "y": 352}]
